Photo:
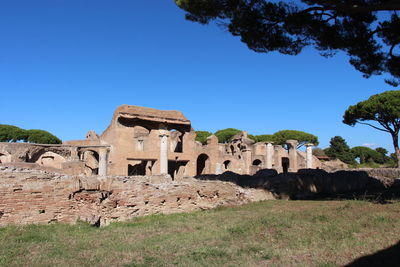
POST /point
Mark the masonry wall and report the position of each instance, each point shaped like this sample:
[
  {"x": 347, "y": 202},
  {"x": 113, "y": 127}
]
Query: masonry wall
[{"x": 28, "y": 196}]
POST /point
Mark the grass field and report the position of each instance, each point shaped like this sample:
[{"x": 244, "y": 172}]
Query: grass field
[{"x": 271, "y": 233}]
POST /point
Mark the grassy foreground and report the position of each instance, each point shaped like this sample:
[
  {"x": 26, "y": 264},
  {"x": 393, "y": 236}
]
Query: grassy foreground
[{"x": 271, "y": 233}]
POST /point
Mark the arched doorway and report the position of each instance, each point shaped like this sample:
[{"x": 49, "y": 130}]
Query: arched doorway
[
  {"x": 203, "y": 164},
  {"x": 51, "y": 159}
]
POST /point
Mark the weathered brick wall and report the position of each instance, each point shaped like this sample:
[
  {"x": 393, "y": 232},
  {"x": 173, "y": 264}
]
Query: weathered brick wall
[
  {"x": 28, "y": 196},
  {"x": 391, "y": 173},
  {"x": 309, "y": 183}
]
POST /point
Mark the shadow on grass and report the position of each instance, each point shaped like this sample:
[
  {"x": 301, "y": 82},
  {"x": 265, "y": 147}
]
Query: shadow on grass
[{"x": 386, "y": 257}]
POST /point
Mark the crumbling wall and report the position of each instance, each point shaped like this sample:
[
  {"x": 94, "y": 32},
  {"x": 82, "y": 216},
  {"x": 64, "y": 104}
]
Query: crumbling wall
[
  {"x": 391, "y": 173},
  {"x": 27, "y": 152},
  {"x": 28, "y": 196},
  {"x": 312, "y": 183}
]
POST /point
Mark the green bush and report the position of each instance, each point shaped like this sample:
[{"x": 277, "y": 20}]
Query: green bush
[
  {"x": 264, "y": 138},
  {"x": 339, "y": 149},
  {"x": 281, "y": 137},
  {"x": 225, "y": 135},
  {"x": 201, "y": 136},
  {"x": 366, "y": 154},
  {"x": 42, "y": 137},
  {"x": 10, "y": 133},
  {"x": 318, "y": 152}
]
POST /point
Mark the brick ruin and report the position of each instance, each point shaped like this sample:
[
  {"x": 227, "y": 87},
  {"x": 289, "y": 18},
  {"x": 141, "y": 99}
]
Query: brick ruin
[
  {"x": 145, "y": 141},
  {"x": 38, "y": 196},
  {"x": 143, "y": 163}
]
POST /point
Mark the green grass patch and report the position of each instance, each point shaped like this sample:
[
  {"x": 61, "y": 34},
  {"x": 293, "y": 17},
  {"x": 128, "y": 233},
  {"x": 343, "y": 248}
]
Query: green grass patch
[{"x": 271, "y": 233}]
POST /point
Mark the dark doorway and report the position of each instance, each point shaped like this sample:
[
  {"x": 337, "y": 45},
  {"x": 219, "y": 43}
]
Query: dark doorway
[
  {"x": 285, "y": 164},
  {"x": 137, "y": 169},
  {"x": 176, "y": 169},
  {"x": 227, "y": 165},
  {"x": 257, "y": 162},
  {"x": 140, "y": 167},
  {"x": 203, "y": 164}
]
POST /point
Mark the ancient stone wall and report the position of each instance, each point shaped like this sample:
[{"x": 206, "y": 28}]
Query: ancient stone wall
[
  {"x": 393, "y": 173},
  {"x": 312, "y": 183},
  {"x": 34, "y": 196}
]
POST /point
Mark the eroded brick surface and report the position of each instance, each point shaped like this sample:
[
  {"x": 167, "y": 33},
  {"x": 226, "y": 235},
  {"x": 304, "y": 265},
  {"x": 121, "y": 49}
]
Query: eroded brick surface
[{"x": 28, "y": 196}]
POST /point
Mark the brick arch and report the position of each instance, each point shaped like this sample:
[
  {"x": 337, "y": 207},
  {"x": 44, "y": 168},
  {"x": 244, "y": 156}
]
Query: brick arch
[
  {"x": 203, "y": 164},
  {"x": 50, "y": 159}
]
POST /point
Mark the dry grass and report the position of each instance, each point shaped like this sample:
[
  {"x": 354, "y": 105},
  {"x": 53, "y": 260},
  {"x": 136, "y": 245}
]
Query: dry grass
[{"x": 273, "y": 233}]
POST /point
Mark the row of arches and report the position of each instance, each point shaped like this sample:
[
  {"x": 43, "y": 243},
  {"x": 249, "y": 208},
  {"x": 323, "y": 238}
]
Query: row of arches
[
  {"x": 54, "y": 160},
  {"x": 203, "y": 164}
]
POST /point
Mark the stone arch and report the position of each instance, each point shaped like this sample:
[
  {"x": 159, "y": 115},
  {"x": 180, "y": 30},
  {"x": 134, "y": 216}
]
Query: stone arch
[
  {"x": 257, "y": 162},
  {"x": 51, "y": 159},
  {"x": 140, "y": 131},
  {"x": 203, "y": 164}
]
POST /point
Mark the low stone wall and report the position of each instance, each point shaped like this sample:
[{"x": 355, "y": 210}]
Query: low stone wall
[
  {"x": 28, "y": 196},
  {"x": 40, "y": 196},
  {"x": 390, "y": 173},
  {"x": 310, "y": 183}
]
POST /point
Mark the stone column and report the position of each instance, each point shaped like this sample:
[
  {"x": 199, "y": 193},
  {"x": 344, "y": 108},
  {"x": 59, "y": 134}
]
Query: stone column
[
  {"x": 270, "y": 155},
  {"x": 278, "y": 158},
  {"x": 292, "y": 155},
  {"x": 103, "y": 158},
  {"x": 246, "y": 154},
  {"x": 309, "y": 156},
  {"x": 164, "y": 151}
]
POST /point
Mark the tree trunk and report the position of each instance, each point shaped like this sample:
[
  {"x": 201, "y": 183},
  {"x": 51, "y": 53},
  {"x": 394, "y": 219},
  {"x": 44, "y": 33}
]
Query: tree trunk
[{"x": 396, "y": 148}]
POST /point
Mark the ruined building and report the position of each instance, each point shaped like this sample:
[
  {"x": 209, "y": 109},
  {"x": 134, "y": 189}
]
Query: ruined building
[{"x": 146, "y": 141}]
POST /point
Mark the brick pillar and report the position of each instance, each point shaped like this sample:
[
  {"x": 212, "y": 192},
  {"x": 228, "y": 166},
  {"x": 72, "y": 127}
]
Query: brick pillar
[
  {"x": 103, "y": 158},
  {"x": 270, "y": 155},
  {"x": 277, "y": 159},
  {"x": 292, "y": 155}
]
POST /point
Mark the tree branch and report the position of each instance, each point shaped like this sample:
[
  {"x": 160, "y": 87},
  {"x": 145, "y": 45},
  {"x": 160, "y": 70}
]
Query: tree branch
[
  {"x": 353, "y": 8},
  {"x": 380, "y": 129}
]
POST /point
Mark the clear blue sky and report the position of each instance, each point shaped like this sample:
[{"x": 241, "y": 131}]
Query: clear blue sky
[{"x": 65, "y": 65}]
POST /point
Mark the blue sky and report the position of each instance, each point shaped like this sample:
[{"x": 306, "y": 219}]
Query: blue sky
[{"x": 65, "y": 65}]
